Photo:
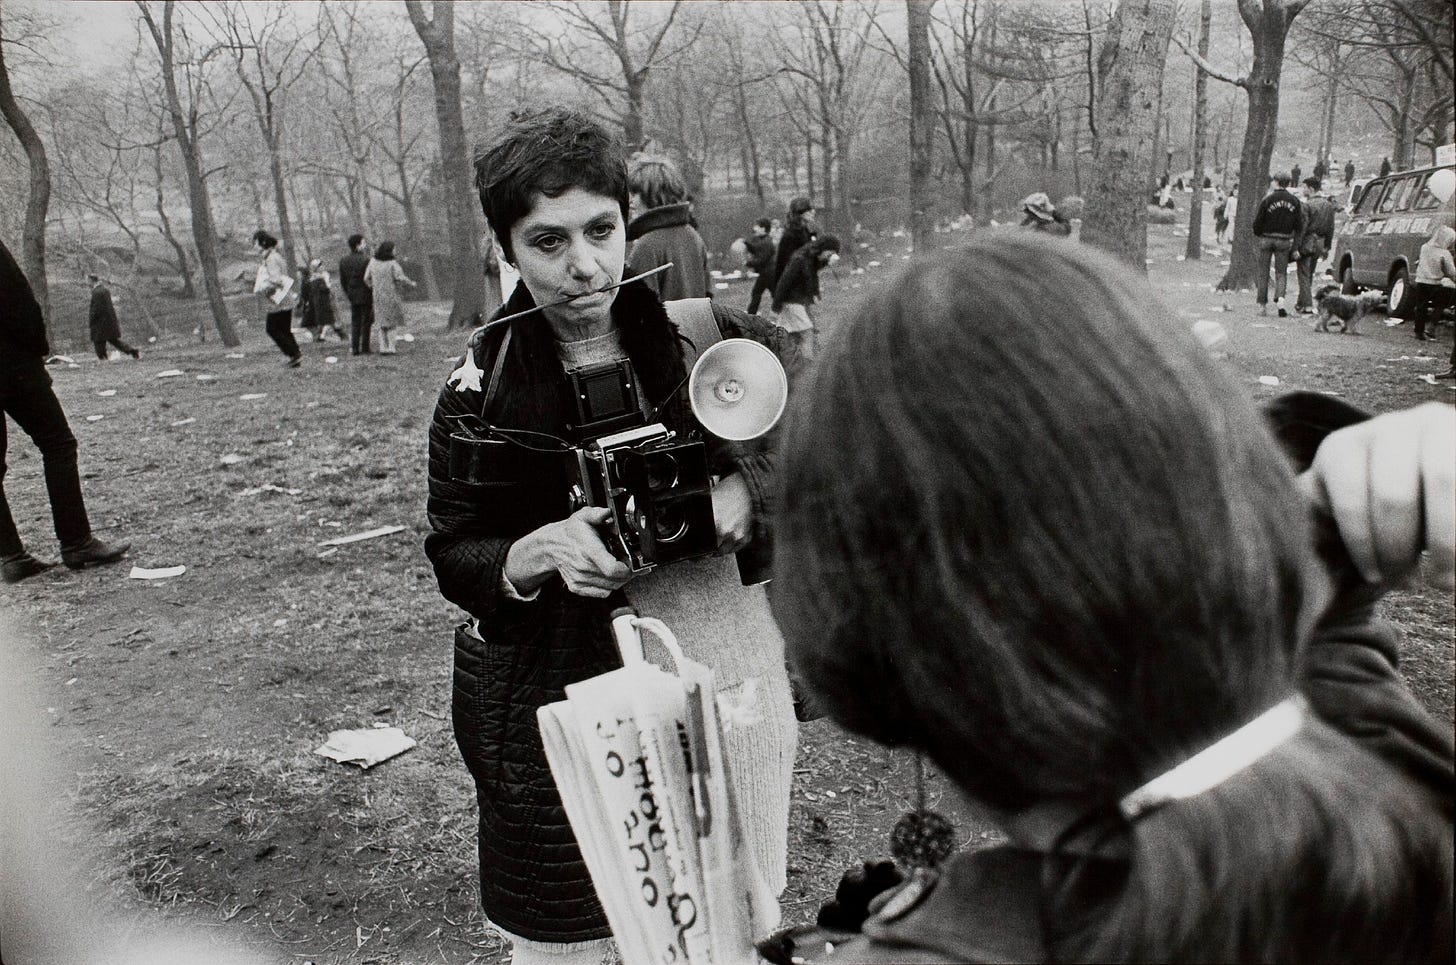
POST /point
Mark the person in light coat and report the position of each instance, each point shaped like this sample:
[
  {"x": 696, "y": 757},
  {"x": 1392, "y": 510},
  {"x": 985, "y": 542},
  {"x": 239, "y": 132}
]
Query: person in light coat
[{"x": 384, "y": 276}]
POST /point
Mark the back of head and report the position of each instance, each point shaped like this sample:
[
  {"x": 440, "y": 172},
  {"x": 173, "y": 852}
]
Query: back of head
[
  {"x": 763, "y": 223},
  {"x": 264, "y": 240},
  {"x": 824, "y": 243},
  {"x": 798, "y": 208},
  {"x": 1060, "y": 574},
  {"x": 385, "y": 251},
  {"x": 1443, "y": 237},
  {"x": 546, "y": 152},
  {"x": 656, "y": 180},
  {"x": 1314, "y": 184},
  {"x": 355, "y": 241},
  {"x": 1283, "y": 180}
]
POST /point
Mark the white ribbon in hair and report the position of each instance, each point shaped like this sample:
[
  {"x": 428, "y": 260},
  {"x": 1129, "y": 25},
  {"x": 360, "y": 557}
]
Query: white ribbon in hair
[{"x": 1220, "y": 761}]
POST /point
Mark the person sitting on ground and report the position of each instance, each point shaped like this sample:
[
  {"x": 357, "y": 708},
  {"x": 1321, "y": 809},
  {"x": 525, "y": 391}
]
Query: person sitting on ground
[
  {"x": 105, "y": 326},
  {"x": 1127, "y": 621},
  {"x": 26, "y": 396},
  {"x": 1042, "y": 215},
  {"x": 662, "y": 231},
  {"x": 798, "y": 289}
]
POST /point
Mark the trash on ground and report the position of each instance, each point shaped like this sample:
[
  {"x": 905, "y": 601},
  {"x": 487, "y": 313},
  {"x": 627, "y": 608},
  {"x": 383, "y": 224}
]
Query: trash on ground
[
  {"x": 332, "y": 360},
  {"x": 268, "y": 488},
  {"x": 366, "y": 746},
  {"x": 406, "y": 337},
  {"x": 332, "y": 550},
  {"x": 106, "y": 393},
  {"x": 95, "y": 418},
  {"x": 1392, "y": 322},
  {"x": 235, "y": 355},
  {"x": 204, "y": 377},
  {"x": 1268, "y": 380},
  {"x": 721, "y": 285},
  {"x": 169, "y": 374},
  {"x": 251, "y": 396},
  {"x": 60, "y": 360},
  {"x": 232, "y": 459},
  {"x": 367, "y": 534},
  {"x": 156, "y": 573},
  {"x": 184, "y": 422},
  {"x": 1429, "y": 378}
]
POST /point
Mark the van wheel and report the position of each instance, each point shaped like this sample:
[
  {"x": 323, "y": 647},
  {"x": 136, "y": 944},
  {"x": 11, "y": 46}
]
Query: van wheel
[
  {"x": 1398, "y": 298},
  {"x": 1347, "y": 281}
]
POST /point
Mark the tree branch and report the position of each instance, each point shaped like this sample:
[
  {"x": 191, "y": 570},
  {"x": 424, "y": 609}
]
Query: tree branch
[{"x": 1208, "y": 68}]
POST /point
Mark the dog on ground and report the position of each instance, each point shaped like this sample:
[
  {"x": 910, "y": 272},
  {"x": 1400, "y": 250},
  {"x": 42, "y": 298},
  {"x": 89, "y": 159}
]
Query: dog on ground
[{"x": 1343, "y": 313}]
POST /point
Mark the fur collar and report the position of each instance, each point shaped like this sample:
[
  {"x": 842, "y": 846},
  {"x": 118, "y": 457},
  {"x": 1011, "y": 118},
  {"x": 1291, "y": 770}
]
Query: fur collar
[{"x": 667, "y": 216}]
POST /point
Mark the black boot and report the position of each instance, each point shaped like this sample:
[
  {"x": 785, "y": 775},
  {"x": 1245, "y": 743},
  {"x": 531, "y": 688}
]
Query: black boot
[
  {"x": 22, "y": 567},
  {"x": 93, "y": 552}
]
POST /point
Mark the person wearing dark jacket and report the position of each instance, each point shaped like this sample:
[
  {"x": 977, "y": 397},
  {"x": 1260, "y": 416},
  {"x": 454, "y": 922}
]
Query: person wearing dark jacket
[
  {"x": 1278, "y": 222},
  {"x": 1315, "y": 241},
  {"x": 360, "y": 295},
  {"x": 105, "y": 328},
  {"x": 663, "y": 231},
  {"x": 27, "y": 397},
  {"x": 1206, "y": 755},
  {"x": 316, "y": 302},
  {"x": 760, "y": 259},
  {"x": 798, "y": 289},
  {"x": 799, "y": 230},
  {"x": 538, "y": 582}
]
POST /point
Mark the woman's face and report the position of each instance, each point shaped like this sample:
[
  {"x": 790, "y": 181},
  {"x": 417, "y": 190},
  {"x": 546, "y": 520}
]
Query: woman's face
[{"x": 567, "y": 245}]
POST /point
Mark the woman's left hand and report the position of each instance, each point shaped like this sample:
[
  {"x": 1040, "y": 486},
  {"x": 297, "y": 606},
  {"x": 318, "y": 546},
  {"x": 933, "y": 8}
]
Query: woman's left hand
[
  {"x": 1389, "y": 483},
  {"x": 732, "y": 513}
]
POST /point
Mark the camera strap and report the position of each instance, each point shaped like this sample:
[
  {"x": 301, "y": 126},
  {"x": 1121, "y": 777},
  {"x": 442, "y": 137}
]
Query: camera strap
[{"x": 694, "y": 318}]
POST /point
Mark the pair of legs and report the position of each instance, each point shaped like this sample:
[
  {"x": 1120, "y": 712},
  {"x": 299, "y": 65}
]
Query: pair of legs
[
  {"x": 1272, "y": 249},
  {"x": 1428, "y": 302},
  {"x": 361, "y": 320},
  {"x": 763, "y": 283},
  {"x": 101, "y": 343},
  {"x": 27, "y": 397},
  {"x": 386, "y": 340},
  {"x": 279, "y": 326},
  {"x": 796, "y": 320},
  {"x": 1304, "y": 271}
]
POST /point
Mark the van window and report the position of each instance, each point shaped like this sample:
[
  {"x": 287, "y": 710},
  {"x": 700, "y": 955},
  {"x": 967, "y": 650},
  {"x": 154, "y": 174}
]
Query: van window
[
  {"x": 1371, "y": 197},
  {"x": 1425, "y": 201},
  {"x": 1395, "y": 198}
]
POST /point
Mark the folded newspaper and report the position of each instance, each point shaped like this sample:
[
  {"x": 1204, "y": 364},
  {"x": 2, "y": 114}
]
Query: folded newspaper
[{"x": 637, "y": 755}]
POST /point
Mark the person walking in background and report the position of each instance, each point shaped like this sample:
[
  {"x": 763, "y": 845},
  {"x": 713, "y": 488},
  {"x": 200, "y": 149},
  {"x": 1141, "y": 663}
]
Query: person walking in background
[
  {"x": 320, "y": 297},
  {"x": 1321, "y": 169},
  {"x": 1294, "y": 173},
  {"x": 1315, "y": 241},
  {"x": 302, "y": 310},
  {"x": 1384, "y": 166},
  {"x": 104, "y": 325},
  {"x": 1435, "y": 281},
  {"x": 760, "y": 260},
  {"x": 1231, "y": 215},
  {"x": 278, "y": 296},
  {"x": 1349, "y": 171},
  {"x": 661, "y": 231},
  {"x": 798, "y": 289},
  {"x": 798, "y": 232},
  {"x": 361, "y": 297},
  {"x": 27, "y": 397},
  {"x": 1220, "y": 216},
  {"x": 384, "y": 275},
  {"x": 1277, "y": 224}
]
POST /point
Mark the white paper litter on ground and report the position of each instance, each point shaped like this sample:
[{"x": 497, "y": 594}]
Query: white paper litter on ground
[
  {"x": 1268, "y": 380},
  {"x": 169, "y": 374},
  {"x": 1429, "y": 378},
  {"x": 332, "y": 360},
  {"x": 232, "y": 459},
  {"x": 156, "y": 573},
  {"x": 251, "y": 396},
  {"x": 204, "y": 377},
  {"x": 106, "y": 393},
  {"x": 235, "y": 355},
  {"x": 60, "y": 360},
  {"x": 365, "y": 747},
  {"x": 184, "y": 422},
  {"x": 406, "y": 337},
  {"x": 367, "y": 534},
  {"x": 95, "y": 418},
  {"x": 268, "y": 488}
]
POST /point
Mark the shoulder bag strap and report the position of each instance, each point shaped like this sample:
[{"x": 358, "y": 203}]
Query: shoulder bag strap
[{"x": 694, "y": 318}]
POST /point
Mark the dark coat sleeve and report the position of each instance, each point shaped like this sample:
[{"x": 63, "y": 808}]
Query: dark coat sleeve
[
  {"x": 793, "y": 283},
  {"x": 103, "y": 320},
  {"x": 22, "y": 326}
]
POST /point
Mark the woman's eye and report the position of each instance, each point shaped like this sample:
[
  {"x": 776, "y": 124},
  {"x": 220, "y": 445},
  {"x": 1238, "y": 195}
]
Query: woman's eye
[
  {"x": 603, "y": 231},
  {"x": 548, "y": 243}
]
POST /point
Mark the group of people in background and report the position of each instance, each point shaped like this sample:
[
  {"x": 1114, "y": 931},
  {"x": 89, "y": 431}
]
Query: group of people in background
[{"x": 373, "y": 286}]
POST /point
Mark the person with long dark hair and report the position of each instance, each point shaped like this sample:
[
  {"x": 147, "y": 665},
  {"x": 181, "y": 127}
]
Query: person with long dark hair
[
  {"x": 384, "y": 274},
  {"x": 278, "y": 296},
  {"x": 799, "y": 230},
  {"x": 1127, "y": 620}
]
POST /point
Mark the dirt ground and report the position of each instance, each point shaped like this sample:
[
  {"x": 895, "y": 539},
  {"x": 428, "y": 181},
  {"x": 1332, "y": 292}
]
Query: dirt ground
[{"x": 188, "y": 709}]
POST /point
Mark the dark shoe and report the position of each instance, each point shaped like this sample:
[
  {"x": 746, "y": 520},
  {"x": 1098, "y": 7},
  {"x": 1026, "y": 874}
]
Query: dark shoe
[
  {"x": 23, "y": 567},
  {"x": 1448, "y": 374},
  {"x": 293, "y": 362},
  {"x": 93, "y": 552},
  {"x": 136, "y": 354},
  {"x": 1283, "y": 313}
]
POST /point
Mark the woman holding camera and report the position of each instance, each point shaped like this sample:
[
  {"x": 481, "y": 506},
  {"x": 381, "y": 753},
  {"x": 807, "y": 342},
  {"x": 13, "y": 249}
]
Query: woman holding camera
[
  {"x": 1129, "y": 628},
  {"x": 540, "y": 582}
]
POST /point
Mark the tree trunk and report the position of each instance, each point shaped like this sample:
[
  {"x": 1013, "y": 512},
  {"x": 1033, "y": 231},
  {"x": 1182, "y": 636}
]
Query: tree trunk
[
  {"x": 1269, "y": 30},
  {"x": 921, "y": 122},
  {"x": 290, "y": 252},
  {"x": 632, "y": 130},
  {"x": 204, "y": 234},
  {"x": 33, "y": 240},
  {"x": 1193, "y": 251},
  {"x": 438, "y": 36},
  {"x": 1132, "y": 61},
  {"x": 412, "y": 220},
  {"x": 184, "y": 265},
  {"x": 1327, "y": 129}
]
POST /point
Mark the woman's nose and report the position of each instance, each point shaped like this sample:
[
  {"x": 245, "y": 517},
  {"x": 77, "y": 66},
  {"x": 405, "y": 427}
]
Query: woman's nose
[{"x": 581, "y": 262}]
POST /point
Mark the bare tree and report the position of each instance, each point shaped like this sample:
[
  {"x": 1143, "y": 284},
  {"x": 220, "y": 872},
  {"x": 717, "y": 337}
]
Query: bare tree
[
  {"x": 437, "y": 33},
  {"x": 1130, "y": 70},
  {"x": 33, "y": 239},
  {"x": 1268, "y": 22},
  {"x": 592, "y": 40},
  {"x": 186, "y": 129},
  {"x": 400, "y": 150},
  {"x": 1193, "y": 251},
  {"x": 344, "y": 94},
  {"x": 917, "y": 47}
]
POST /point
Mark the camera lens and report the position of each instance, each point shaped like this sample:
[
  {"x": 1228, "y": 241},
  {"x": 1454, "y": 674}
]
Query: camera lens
[
  {"x": 668, "y": 524},
  {"x": 660, "y": 470}
]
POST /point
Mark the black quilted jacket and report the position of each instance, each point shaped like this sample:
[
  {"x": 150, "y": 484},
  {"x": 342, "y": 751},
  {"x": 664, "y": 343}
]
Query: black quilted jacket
[{"x": 533, "y": 882}]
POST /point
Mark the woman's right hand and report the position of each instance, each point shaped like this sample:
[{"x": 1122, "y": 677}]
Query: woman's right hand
[{"x": 574, "y": 550}]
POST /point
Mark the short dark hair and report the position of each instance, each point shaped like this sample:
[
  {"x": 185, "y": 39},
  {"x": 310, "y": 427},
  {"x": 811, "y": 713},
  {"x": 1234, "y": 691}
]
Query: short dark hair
[
  {"x": 763, "y": 223},
  {"x": 355, "y": 241},
  {"x": 385, "y": 251},
  {"x": 824, "y": 243},
  {"x": 264, "y": 240},
  {"x": 656, "y": 180},
  {"x": 999, "y": 572},
  {"x": 547, "y": 152},
  {"x": 1283, "y": 180},
  {"x": 1313, "y": 183}
]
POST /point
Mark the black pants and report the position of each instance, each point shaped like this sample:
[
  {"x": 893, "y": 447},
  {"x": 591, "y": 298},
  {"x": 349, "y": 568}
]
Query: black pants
[
  {"x": 763, "y": 283},
  {"x": 27, "y": 397},
  {"x": 361, "y": 320},
  {"x": 100, "y": 345},
  {"x": 1428, "y": 301},
  {"x": 279, "y": 326}
]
